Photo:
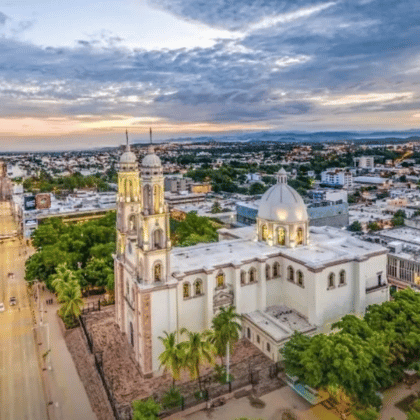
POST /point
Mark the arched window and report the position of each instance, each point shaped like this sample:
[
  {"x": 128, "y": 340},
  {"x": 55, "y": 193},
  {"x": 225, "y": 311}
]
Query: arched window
[
  {"x": 342, "y": 277},
  {"x": 252, "y": 275},
  {"x": 127, "y": 289},
  {"x": 299, "y": 275},
  {"x": 141, "y": 237},
  {"x": 299, "y": 236},
  {"x": 156, "y": 198},
  {"x": 290, "y": 273},
  {"x": 281, "y": 236},
  {"x": 264, "y": 233},
  {"x": 198, "y": 287},
  {"x": 276, "y": 270},
  {"x": 243, "y": 277},
  {"x": 158, "y": 239},
  {"x": 331, "y": 280},
  {"x": 220, "y": 280},
  {"x": 267, "y": 272},
  {"x": 131, "y": 334},
  {"x": 186, "y": 290},
  {"x": 132, "y": 223},
  {"x": 157, "y": 272}
]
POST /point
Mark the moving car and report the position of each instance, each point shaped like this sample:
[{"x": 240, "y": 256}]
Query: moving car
[
  {"x": 12, "y": 301},
  {"x": 1, "y": 307}
]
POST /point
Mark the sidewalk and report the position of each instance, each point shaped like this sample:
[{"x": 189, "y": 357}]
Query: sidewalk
[{"x": 64, "y": 387}]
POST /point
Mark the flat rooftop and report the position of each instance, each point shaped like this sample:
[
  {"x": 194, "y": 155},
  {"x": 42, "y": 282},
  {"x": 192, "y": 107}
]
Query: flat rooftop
[
  {"x": 280, "y": 322},
  {"x": 404, "y": 234},
  {"x": 327, "y": 245}
]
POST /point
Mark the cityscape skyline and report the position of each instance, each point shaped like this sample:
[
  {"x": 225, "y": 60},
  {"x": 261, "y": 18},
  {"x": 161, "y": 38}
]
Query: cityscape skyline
[{"x": 83, "y": 73}]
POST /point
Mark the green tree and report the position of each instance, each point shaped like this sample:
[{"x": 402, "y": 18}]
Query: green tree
[
  {"x": 97, "y": 272},
  {"x": 355, "y": 227},
  {"x": 226, "y": 332},
  {"x": 173, "y": 357},
  {"x": 192, "y": 230},
  {"x": 257, "y": 188},
  {"x": 198, "y": 350},
  {"x": 374, "y": 226},
  {"x": 71, "y": 300},
  {"x": 369, "y": 413},
  {"x": 146, "y": 409},
  {"x": 216, "y": 208}
]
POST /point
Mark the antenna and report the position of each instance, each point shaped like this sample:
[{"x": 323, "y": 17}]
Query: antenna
[{"x": 151, "y": 135}]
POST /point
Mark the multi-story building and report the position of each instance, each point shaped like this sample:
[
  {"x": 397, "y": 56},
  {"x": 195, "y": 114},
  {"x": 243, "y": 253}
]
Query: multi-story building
[
  {"x": 337, "y": 178},
  {"x": 364, "y": 162}
]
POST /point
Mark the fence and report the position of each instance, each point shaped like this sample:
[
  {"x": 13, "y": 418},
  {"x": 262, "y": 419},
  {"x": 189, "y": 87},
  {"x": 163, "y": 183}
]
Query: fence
[
  {"x": 257, "y": 371},
  {"x": 98, "y": 357}
]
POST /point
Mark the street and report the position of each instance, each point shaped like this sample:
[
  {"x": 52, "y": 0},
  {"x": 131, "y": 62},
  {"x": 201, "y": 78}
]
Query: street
[{"x": 21, "y": 388}]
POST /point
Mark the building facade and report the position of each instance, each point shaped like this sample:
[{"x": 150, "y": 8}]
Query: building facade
[
  {"x": 281, "y": 275},
  {"x": 337, "y": 178}
]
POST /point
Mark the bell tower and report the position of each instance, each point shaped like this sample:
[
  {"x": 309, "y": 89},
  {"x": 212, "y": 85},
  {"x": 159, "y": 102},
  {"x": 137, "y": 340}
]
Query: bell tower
[{"x": 154, "y": 235}]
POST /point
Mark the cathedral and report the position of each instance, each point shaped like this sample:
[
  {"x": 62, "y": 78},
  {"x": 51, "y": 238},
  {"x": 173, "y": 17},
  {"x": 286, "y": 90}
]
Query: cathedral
[{"x": 280, "y": 275}]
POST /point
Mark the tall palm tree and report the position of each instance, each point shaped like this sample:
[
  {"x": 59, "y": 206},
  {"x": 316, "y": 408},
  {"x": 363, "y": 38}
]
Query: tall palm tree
[
  {"x": 173, "y": 357},
  {"x": 62, "y": 277},
  {"x": 71, "y": 300},
  {"x": 226, "y": 332},
  {"x": 198, "y": 349}
]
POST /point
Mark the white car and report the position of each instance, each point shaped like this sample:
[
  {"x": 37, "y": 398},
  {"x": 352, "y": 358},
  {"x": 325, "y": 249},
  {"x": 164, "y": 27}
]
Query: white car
[{"x": 1, "y": 307}]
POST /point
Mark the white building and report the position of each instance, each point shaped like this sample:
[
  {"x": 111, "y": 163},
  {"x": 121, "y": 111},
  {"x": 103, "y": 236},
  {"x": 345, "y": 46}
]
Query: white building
[
  {"x": 280, "y": 275},
  {"x": 365, "y": 162},
  {"x": 337, "y": 178}
]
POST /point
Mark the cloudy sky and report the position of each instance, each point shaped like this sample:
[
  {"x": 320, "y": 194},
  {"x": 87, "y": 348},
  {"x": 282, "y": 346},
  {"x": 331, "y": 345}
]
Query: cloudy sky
[{"x": 77, "y": 73}]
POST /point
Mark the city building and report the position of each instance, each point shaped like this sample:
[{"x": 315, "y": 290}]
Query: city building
[
  {"x": 337, "y": 178},
  {"x": 327, "y": 208},
  {"x": 6, "y": 185},
  {"x": 183, "y": 197},
  {"x": 280, "y": 275},
  {"x": 364, "y": 162}
]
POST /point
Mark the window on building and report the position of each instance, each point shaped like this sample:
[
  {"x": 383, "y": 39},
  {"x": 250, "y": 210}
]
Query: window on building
[
  {"x": 186, "y": 290},
  {"x": 281, "y": 236},
  {"x": 243, "y": 277},
  {"x": 249, "y": 333},
  {"x": 264, "y": 233},
  {"x": 258, "y": 339},
  {"x": 299, "y": 236},
  {"x": 157, "y": 275},
  {"x": 331, "y": 280},
  {"x": 267, "y": 272},
  {"x": 252, "y": 275},
  {"x": 342, "y": 277},
  {"x": 198, "y": 287},
  {"x": 379, "y": 275},
  {"x": 299, "y": 278},
  {"x": 220, "y": 280},
  {"x": 158, "y": 239},
  {"x": 268, "y": 347},
  {"x": 127, "y": 289},
  {"x": 276, "y": 270},
  {"x": 290, "y": 273}
]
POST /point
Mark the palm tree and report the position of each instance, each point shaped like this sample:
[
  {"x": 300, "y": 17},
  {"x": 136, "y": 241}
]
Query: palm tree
[
  {"x": 198, "y": 349},
  {"x": 62, "y": 277},
  {"x": 173, "y": 357},
  {"x": 226, "y": 332},
  {"x": 71, "y": 300}
]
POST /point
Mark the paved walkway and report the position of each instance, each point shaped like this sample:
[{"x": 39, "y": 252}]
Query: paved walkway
[
  {"x": 64, "y": 386},
  {"x": 276, "y": 403},
  {"x": 394, "y": 395}
]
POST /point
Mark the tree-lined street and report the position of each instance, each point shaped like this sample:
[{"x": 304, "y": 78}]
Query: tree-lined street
[{"x": 21, "y": 389}]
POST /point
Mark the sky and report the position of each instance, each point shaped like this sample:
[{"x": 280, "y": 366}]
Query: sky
[{"x": 76, "y": 74}]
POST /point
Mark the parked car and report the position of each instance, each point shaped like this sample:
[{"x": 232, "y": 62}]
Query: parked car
[
  {"x": 12, "y": 301},
  {"x": 1, "y": 307}
]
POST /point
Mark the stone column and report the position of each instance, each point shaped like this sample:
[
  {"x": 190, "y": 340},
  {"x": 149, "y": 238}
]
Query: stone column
[
  {"x": 262, "y": 285},
  {"x": 237, "y": 286},
  {"x": 209, "y": 288}
]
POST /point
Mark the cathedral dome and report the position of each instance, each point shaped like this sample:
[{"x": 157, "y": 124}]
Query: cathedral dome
[
  {"x": 151, "y": 159},
  {"x": 282, "y": 203},
  {"x": 128, "y": 157}
]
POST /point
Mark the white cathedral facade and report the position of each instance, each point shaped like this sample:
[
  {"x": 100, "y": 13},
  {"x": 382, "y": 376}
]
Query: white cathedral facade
[{"x": 281, "y": 276}]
